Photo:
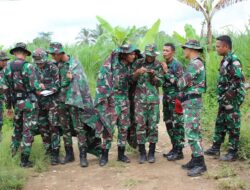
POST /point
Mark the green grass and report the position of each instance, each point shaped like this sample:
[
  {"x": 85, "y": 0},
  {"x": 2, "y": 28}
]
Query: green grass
[{"x": 12, "y": 176}]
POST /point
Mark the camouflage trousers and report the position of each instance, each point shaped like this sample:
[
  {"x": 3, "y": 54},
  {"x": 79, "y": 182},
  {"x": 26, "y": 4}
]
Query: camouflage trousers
[
  {"x": 192, "y": 111},
  {"x": 147, "y": 116},
  {"x": 69, "y": 116},
  {"x": 24, "y": 122},
  {"x": 174, "y": 124},
  {"x": 121, "y": 119},
  {"x": 107, "y": 130},
  {"x": 228, "y": 121},
  {"x": 48, "y": 128}
]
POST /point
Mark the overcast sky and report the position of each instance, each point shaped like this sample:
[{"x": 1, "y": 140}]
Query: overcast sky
[{"x": 22, "y": 20}]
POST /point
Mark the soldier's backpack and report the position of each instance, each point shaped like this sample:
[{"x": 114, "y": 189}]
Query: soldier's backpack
[{"x": 19, "y": 91}]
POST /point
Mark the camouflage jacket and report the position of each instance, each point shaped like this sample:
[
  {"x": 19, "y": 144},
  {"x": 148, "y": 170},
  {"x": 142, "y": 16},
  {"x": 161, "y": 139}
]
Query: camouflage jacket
[
  {"x": 193, "y": 80},
  {"x": 230, "y": 86},
  {"x": 64, "y": 81},
  {"x": 78, "y": 93},
  {"x": 16, "y": 88},
  {"x": 104, "y": 84},
  {"x": 175, "y": 71},
  {"x": 49, "y": 76},
  {"x": 147, "y": 87}
]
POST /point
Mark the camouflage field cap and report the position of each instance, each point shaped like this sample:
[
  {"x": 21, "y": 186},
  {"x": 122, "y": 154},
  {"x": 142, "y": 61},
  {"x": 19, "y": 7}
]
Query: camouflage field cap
[
  {"x": 193, "y": 44},
  {"x": 151, "y": 50},
  {"x": 20, "y": 46},
  {"x": 55, "y": 48},
  {"x": 39, "y": 56},
  {"x": 126, "y": 48},
  {"x": 3, "y": 56}
]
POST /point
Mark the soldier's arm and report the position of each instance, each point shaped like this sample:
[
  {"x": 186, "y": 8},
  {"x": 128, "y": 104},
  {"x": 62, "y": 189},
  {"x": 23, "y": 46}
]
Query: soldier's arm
[
  {"x": 7, "y": 89},
  {"x": 158, "y": 78},
  {"x": 236, "y": 82},
  {"x": 174, "y": 77},
  {"x": 30, "y": 73},
  {"x": 65, "y": 82},
  {"x": 55, "y": 85},
  {"x": 192, "y": 71}
]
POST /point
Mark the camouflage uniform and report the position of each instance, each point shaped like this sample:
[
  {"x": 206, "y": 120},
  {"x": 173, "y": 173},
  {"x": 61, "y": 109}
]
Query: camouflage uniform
[
  {"x": 3, "y": 58},
  {"x": 112, "y": 99},
  {"x": 192, "y": 103},
  {"x": 76, "y": 108},
  {"x": 22, "y": 83},
  {"x": 147, "y": 113},
  {"x": 230, "y": 90},
  {"x": 193, "y": 84},
  {"x": 146, "y": 99},
  {"x": 173, "y": 120},
  {"x": 47, "y": 115}
]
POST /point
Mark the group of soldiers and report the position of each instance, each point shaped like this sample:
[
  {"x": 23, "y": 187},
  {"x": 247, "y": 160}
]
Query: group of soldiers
[{"x": 53, "y": 99}]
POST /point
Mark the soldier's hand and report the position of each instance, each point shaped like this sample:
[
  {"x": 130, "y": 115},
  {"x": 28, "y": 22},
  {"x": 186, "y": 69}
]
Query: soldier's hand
[
  {"x": 69, "y": 75},
  {"x": 42, "y": 86},
  {"x": 164, "y": 67},
  {"x": 38, "y": 93},
  {"x": 151, "y": 72},
  {"x": 10, "y": 113},
  {"x": 142, "y": 70}
]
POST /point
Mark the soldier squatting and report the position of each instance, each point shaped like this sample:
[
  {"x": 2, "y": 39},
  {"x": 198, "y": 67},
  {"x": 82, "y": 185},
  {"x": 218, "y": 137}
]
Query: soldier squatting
[{"x": 53, "y": 99}]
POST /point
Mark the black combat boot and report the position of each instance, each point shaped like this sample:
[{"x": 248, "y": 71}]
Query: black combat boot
[
  {"x": 169, "y": 153},
  {"x": 151, "y": 153},
  {"x": 55, "y": 159},
  {"x": 143, "y": 154},
  {"x": 189, "y": 165},
  {"x": 214, "y": 150},
  {"x": 69, "y": 157},
  {"x": 176, "y": 155},
  {"x": 48, "y": 151},
  {"x": 25, "y": 163},
  {"x": 230, "y": 156},
  {"x": 199, "y": 167},
  {"x": 83, "y": 157},
  {"x": 121, "y": 156},
  {"x": 104, "y": 158}
]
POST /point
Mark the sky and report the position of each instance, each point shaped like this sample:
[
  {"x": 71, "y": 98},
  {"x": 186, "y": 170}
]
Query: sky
[{"x": 22, "y": 20}]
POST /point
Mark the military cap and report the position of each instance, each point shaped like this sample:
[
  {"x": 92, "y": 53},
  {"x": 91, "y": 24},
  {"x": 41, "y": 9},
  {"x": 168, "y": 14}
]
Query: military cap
[
  {"x": 55, "y": 48},
  {"x": 151, "y": 50},
  {"x": 20, "y": 46},
  {"x": 193, "y": 44},
  {"x": 3, "y": 56},
  {"x": 39, "y": 56}
]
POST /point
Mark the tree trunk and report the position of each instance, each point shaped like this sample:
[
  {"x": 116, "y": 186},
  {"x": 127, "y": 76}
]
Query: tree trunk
[{"x": 209, "y": 35}]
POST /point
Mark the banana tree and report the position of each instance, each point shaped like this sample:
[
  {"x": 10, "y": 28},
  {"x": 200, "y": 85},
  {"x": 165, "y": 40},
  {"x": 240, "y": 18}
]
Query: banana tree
[{"x": 208, "y": 9}]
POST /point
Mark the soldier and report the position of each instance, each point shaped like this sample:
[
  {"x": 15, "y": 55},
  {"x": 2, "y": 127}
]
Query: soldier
[
  {"x": 75, "y": 106},
  {"x": 62, "y": 61},
  {"x": 22, "y": 87},
  {"x": 48, "y": 75},
  {"x": 193, "y": 84},
  {"x": 112, "y": 99},
  {"x": 3, "y": 61},
  {"x": 173, "y": 116},
  {"x": 230, "y": 92},
  {"x": 148, "y": 75}
]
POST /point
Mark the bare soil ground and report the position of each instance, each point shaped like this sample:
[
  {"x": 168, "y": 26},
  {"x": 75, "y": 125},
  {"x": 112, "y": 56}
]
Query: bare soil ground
[{"x": 162, "y": 175}]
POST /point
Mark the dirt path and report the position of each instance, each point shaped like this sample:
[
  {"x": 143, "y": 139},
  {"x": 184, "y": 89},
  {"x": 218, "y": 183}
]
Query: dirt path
[{"x": 163, "y": 175}]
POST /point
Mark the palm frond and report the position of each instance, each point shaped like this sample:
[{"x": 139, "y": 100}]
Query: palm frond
[{"x": 225, "y": 3}]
